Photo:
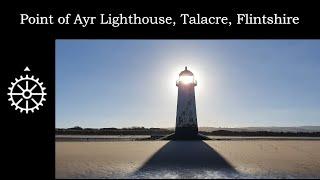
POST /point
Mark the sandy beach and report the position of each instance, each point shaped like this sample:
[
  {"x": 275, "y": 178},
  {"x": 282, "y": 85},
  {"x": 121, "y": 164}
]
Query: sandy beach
[{"x": 189, "y": 159}]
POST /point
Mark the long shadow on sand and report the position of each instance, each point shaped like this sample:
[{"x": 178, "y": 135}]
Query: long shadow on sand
[{"x": 185, "y": 159}]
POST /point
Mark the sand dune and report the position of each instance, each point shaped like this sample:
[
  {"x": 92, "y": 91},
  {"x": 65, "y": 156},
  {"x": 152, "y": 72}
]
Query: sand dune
[{"x": 189, "y": 159}]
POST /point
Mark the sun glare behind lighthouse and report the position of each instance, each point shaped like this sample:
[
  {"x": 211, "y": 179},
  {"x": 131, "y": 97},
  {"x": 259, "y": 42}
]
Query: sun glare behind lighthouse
[{"x": 186, "y": 79}]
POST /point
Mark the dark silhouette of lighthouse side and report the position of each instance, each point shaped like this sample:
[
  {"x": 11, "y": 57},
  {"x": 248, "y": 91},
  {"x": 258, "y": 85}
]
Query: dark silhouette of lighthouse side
[{"x": 186, "y": 117}]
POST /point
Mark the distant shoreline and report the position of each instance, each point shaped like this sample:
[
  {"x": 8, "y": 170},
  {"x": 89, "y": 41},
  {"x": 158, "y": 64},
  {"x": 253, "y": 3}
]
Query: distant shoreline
[
  {"x": 95, "y": 138},
  {"x": 156, "y": 133}
]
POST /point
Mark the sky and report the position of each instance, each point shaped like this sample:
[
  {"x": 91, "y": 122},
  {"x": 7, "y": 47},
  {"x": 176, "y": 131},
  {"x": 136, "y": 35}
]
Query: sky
[{"x": 241, "y": 83}]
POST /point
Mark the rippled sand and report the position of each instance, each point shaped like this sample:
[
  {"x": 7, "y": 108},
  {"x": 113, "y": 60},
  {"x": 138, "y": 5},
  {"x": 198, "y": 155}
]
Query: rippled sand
[{"x": 189, "y": 159}]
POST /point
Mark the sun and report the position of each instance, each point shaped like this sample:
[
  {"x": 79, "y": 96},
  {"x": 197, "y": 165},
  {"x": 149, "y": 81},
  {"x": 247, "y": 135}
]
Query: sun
[{"x": 186, "y": 79}]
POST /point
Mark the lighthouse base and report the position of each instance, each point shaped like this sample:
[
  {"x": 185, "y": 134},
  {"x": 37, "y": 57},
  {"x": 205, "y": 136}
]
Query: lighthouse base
[
  {"x": 186, "y": 133},
  {"x": 177, "y": 136}
]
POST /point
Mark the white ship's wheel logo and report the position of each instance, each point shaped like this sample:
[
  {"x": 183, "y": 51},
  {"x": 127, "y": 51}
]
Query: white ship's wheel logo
[{"x": 27, "y": 94}]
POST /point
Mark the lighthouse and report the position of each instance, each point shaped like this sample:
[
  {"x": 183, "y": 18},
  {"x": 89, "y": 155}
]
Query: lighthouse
[{"x": 186, "y": 116}]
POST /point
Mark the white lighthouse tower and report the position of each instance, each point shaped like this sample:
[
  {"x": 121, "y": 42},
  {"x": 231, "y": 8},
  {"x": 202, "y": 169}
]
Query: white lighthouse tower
[{"x": 186, "y": 117}]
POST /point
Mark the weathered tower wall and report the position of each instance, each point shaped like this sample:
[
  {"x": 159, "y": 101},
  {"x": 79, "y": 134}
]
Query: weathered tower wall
[{"x": 186, "y": 118}]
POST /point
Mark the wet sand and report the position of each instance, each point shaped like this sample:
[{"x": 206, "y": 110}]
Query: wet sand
[{"x": 189, "y": 159}]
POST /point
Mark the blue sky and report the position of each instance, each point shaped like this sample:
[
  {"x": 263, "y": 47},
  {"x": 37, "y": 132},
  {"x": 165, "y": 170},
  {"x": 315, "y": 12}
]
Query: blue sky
[{"x": 124, "y": 83}]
